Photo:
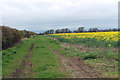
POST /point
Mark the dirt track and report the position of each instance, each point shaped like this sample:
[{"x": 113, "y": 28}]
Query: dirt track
[
  {"x": 25, "y": 69},
  {"x": 76, "y": 67}
]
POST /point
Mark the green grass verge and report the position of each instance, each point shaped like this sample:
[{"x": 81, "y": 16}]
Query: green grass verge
[
  {"x": 46, "y": 64},
  {"x": 12, "y": 57}
]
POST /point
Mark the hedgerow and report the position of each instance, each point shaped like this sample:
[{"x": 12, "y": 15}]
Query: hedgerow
[{"x": 12, "y": 36}]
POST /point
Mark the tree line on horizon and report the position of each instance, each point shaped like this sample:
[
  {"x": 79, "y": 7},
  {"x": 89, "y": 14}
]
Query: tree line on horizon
[{"x": 79, "y": 30}]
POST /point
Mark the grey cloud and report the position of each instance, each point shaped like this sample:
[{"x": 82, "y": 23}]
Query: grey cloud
[{"x": 20, "y": 13}]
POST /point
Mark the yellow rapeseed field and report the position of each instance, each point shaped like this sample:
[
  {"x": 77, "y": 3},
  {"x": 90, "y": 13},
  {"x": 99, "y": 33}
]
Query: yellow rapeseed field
[{"x": 106, "y": 36}]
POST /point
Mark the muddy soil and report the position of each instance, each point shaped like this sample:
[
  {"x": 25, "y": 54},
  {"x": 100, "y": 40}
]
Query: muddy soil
[
  {"x": 75, "y": 67},
  {"x": 25, "y": 69}
]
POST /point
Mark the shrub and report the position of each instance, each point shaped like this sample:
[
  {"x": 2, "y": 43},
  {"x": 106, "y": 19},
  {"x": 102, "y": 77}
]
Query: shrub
[{"x": 11, "y": 36}]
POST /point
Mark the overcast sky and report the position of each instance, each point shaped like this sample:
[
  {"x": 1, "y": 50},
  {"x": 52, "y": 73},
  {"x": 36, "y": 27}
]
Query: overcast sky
[{"x": 40, "y": 15}]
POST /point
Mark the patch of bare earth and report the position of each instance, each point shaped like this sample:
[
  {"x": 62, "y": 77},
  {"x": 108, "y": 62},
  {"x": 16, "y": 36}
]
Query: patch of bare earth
[
  {"x": 24, "y": 39},
  {"x": 84, "y": 48},
  {"x": 76, "y": 67},
  {"x": 25, "y": 70},
  {"x": 53, "y": 38}
]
